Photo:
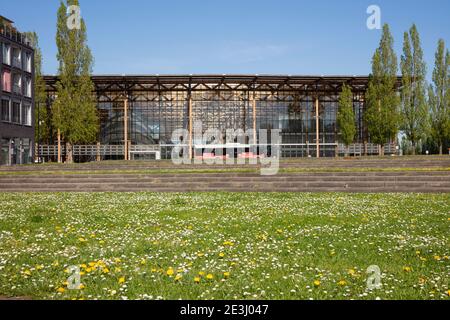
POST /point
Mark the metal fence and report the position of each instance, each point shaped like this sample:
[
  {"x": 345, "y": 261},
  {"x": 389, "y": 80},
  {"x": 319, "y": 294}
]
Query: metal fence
[{"x": 148, "y": 152}]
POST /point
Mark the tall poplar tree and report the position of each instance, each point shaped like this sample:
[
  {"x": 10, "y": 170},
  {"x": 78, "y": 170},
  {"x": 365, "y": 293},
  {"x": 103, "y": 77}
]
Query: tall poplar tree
[
  {"x": 74, "y": 110},
  {"x": 439, "y": 98},
  {"x": 413, "y": 107},
  {"x": 382, "y": 101},
  {"x": 346, "y": 118}
]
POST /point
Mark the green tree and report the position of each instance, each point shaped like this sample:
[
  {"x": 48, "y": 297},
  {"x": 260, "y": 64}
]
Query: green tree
[
  {"x": 439, "y": 98},
  {"x": 41, "y": 118},
  {"x": 382, "y": 114},
  {"x": 346, "y": 118},
  {"x": 74, "y": 110},
  {"x": 413, "y": 107}
]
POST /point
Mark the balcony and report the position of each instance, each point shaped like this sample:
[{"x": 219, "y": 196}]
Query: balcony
[{"x": 14, "y": 35}]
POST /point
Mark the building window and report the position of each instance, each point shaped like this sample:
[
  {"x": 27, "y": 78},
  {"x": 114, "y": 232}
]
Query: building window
[
  {"x": 27, "y": 114},
  {"x": 6, "y": 115},
  {"x": 28, "y": 62},
  {"x": 17, "y": 58},
  {"x": 16, "y": 112},
  {"x": 28, "y": 87},
  {"x": 6, "y": 54},
  {"x": 17, "y": 83},
  {"x": 6, "y": 80}
]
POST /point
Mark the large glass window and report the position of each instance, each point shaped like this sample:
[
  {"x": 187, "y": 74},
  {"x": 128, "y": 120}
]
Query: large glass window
[
  {"x": 6, "y": 80},
  {"x": 17, "y": 83},
  {"x": 5, "y": 112},
  {"x": 6, "y": 54},
  {"x": 28, "y": 62},
  {"x": 28, "y": 87},
  {"x": 17, "y": 58},
  {"x": 16, "y": 112},
  {"x": 26, "y": 115}
]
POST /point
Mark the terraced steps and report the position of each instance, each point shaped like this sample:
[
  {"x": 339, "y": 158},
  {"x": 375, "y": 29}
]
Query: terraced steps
[
  {"x": 438, "y": 181},
  {"x": 415, "y": 174}
]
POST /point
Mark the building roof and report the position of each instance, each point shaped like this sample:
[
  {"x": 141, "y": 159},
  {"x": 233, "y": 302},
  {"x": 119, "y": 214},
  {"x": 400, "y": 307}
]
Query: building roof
[
  {"x": 2, "y": 18},
  {"x": 222, "y": 82}
]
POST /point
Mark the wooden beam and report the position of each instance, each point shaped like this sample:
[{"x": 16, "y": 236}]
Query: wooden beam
[
  {"x": 125, "y": 127},
  {"x": 255, "y": 137},
  {"x": 317, "y": 129},
  {"x": 190, "y": 126}
]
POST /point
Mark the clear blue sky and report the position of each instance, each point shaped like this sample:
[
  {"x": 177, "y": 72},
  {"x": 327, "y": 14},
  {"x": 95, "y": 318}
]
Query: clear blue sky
[{"x": 234, "y": 36}]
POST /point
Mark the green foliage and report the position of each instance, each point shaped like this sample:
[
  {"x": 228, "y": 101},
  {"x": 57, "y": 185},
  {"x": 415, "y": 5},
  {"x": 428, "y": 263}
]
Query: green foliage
[
  {"x": 382, "y": 114},
  {"x": 74, "y": 110},
  {"x": 346, "y": 116},
  {"x": 413, "y": 106},
  {"x": 439, "y": 97}
]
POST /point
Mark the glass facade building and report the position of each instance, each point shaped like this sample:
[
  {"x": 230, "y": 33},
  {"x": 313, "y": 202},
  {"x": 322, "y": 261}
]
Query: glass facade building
[{"x": 303, "y": 108}]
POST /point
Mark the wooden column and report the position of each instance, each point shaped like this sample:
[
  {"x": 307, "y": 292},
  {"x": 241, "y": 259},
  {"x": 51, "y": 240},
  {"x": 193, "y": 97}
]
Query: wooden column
[
  {"x": 317, "y": 129},
  {"x": 125, "y": 127},
  {"x": 191, "y": 116},
  {"x": 255, "y": 137},
  {"x": 59, "y": 146}
]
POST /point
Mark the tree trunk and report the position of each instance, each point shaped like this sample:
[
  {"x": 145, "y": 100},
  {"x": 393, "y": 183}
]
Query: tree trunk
[
  {"x": 441, "y": 149},
  {"x": 381, "y": 150},
  {"x": 347, "y": 151},
  {"x": 413, "y": 149},
  {"x": 59, "y": 146},
  {"x": 69, "y": 153}
]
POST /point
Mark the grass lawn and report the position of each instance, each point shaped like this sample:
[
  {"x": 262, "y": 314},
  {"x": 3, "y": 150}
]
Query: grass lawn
[{"x": 224, "y": 245}]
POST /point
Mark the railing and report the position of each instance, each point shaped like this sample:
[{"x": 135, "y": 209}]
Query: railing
[
  {"x": 119, "y": 150},
  {"x": 370, "y": 149},
  {"x": 13, "y": 34}
]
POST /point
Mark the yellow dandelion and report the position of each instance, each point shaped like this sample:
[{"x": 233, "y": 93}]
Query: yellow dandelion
[
  {"x": 178, "y": 277},
  {"x": 201, "y": 273},
  {"x": 226, "y": 275},
  {"x": 27, "y": 272},
  {"x": 117, "y": 260},
  {"x": 407, "y": 269},
  {"x": 448, "y": 293},
  {"x": 342, "y": 283},
  {"x": 317, "y": 283},
  {"x": 84, "y": 266},
  {"x": 352, "y": 272},
  {"x": 437, "y": 258},
  {"x": 143, "y": 262},
  {"x": 209, "y": 276},
  {"x": 121, "y": 280},
  {"x": 82, "y": 286},
  {"x": 82, "y": 240},
  {"x": 39, "y": 267},
  {"x": 105, "y": 270},
  {"x": 170, "y": 272},
  {"x": 61, "y": 290},
  {"x": 221, "y": 255},
  {"x": 197, "y": 279},
  {"x": 88, "y": 270}
]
